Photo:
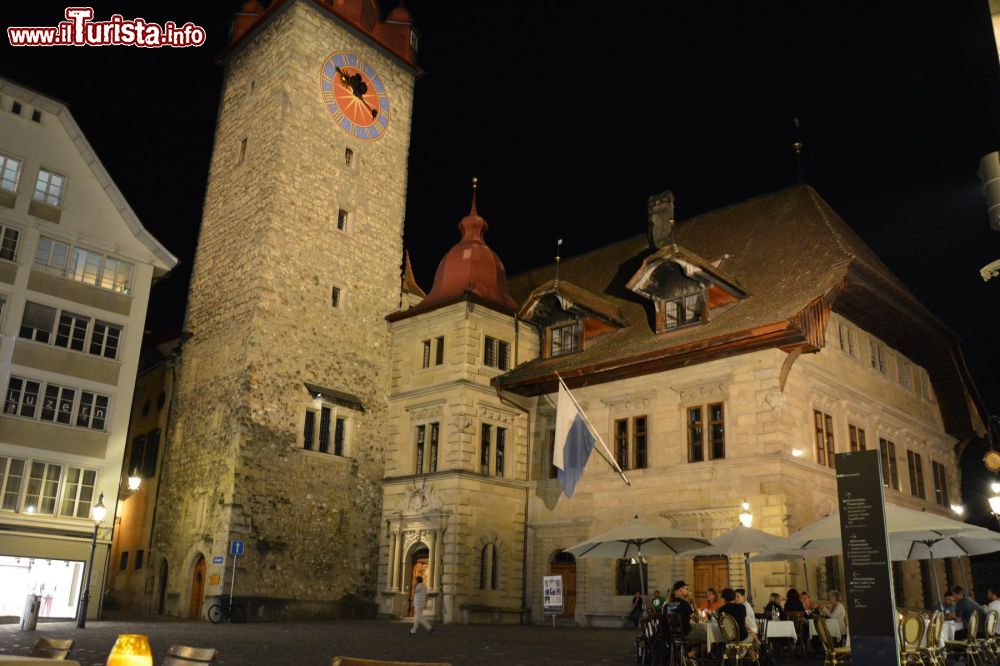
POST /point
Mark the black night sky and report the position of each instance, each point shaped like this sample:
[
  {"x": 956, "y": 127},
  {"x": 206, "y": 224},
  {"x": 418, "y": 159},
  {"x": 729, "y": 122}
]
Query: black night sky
[{"x": 572, "y": 115}]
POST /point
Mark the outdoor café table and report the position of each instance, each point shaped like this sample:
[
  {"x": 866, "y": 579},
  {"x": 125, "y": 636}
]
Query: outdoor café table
[
  {"x": 781, "y": 629},
  {"x": 948, "y": 629},
  {"x": 15, "y": 660},
  {"x": 714, "y": 635},
  {"x": 831, "y": 624}
]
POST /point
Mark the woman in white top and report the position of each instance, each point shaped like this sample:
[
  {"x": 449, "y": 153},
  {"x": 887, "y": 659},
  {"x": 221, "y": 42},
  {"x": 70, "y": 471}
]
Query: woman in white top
[{"x": 836, "y": 611}]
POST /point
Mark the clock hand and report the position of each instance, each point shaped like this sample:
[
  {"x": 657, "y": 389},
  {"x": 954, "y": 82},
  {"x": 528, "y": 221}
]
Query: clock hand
[{"x": 358, "y": 88}]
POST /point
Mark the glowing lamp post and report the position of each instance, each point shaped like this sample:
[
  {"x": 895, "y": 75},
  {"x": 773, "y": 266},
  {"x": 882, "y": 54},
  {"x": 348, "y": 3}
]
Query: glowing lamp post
[
  {"x": 97, "y": 512},
  {"x": 131, "y": 650},
  {"x": 746, "y": 518},
  {"x": 995, "y": 500}
]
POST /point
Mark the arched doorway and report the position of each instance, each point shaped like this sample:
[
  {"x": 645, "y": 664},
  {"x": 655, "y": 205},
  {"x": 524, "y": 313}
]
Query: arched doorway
[
  {"x": 197, "y": 588},
  {"x": 161, "y": 606},
  {"x": 419, "y": 566},
  {"x": 710, "y": 571},
  {"x": 564, "y": 564}
]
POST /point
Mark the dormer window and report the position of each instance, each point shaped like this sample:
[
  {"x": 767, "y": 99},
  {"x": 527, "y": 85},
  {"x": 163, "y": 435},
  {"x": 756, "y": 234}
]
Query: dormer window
[
  {"x": 683, "y": 311},
  {"x": 683, "y": 287},
  {"x": 564, "y": 339}
]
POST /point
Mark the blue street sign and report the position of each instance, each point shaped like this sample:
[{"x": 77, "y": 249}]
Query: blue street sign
[
  {"x": 236, "y": 548},
  {"x": 218, "y": 559}
]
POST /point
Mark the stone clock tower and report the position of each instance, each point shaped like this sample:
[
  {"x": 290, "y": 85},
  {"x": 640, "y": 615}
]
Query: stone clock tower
[{"x": 280, "y": 414}]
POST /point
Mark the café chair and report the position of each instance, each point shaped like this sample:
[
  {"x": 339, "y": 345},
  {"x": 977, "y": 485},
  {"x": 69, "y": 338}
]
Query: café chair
[
  {"x": 834, "y": 655},
  {"x": 931, "y": 650},
  {"x": 679, "y": 645},
  {"x": 969, "y": 648},
  {"x": 801, "y": 631},
  {"x": 182, "y": 655},
  {"x": 736, "y": 651},
  {"x": 51, "y": 648},
  {"x": 988, "y": 644},
  {"x": 356, "y": 661},
  {"x": 911, "y": 631}
]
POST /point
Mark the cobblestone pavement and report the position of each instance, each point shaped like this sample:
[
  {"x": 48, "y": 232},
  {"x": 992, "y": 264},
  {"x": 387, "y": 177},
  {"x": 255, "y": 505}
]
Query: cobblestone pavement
[{"x": 314, "y": 644}]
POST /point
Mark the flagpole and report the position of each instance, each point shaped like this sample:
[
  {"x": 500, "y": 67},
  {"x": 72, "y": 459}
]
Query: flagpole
[{"x": 610, "y": 458}]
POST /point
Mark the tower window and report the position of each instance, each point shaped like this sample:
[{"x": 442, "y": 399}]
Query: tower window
[
  {"x": 243, "y": 151},
  {"x": 348, "y": 157},
  {"x": 335, "y": 296},
  {"x": 36, "y": 116},
  {"x": 15, "y": 107},
  {"x": 325, "y": 430},
  {"x": 496, "y": 353},
  {"x": 342, "y": 217}
]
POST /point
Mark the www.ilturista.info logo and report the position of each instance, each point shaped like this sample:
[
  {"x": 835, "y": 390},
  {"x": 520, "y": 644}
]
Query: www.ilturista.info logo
[{"x": 79, "y": 29}]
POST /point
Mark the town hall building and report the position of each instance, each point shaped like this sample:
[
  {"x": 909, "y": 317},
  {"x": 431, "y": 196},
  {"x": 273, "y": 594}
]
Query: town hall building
[{"x": 355, "y": 432}]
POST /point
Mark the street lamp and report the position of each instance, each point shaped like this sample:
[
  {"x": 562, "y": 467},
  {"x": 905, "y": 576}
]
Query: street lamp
[
  {"x": 994, "y": 500},
  {"x": 746, "y": 518},
  {"x": 97, "y": 512}
]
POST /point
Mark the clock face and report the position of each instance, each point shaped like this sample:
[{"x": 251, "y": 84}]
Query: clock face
[
  {"x": 992, "y": 461},
  {"x": 355, "y": 96}
]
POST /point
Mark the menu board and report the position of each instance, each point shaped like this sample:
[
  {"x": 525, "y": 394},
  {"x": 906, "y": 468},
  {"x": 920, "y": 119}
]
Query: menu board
[
  {"x": 552, "y": 594},
  {"x": 869, "y": 600}
]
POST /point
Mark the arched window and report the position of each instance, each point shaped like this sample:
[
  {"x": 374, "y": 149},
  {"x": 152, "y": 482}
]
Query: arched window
[{"x": 488, "y": 567}]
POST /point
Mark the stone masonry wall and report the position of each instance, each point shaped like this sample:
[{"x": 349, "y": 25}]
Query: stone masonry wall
[{"x": 263, "y": 324}]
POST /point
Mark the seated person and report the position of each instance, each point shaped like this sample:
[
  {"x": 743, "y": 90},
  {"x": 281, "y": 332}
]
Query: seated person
[
  {"x": 836, "y": 611},
  {"x": 773, "y": 608},
  {"x": 712, "y": 601},
  {"x": 948, "y": 605},
  {"x": 738, "y": 610},
  {"x": 658, "y": 601},
  {"x": 793, "y": 602},
  {"x": 636, "y": 613},
  {"x": 964, "y": 608},
  {"x": 680, "y": 605},
  {"x": 806, "y": 602},
  {"x": 994, "y": 604},
  {"x": 751, "y": 618}
]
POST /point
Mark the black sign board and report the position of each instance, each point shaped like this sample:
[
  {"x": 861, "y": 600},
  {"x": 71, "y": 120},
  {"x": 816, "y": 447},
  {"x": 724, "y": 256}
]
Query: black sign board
[{"x": 867, "y": 567}]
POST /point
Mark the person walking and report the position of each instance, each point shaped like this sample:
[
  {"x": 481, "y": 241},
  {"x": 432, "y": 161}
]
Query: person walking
[{"x": 419, "y": 603}]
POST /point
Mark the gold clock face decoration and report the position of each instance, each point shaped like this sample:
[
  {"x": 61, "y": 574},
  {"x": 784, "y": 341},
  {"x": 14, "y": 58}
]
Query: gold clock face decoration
[
  {"x": 992, "y": 461},
  {"x": 355, "y": 95}
]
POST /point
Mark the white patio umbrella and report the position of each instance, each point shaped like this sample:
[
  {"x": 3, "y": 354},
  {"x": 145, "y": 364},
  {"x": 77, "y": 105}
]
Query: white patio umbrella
[
  {"x": 741, "y": 540},
  {"x": 904, "y": 526},
  {"x": 974, "y": 541},
  {"x": 637, "y": 540}
]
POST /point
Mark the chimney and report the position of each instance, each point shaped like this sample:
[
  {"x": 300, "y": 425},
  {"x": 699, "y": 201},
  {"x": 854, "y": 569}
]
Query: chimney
[{"x": 661, "y": 219}]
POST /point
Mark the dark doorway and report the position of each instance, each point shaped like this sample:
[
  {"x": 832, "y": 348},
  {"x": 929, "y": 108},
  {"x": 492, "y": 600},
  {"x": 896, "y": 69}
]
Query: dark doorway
[
  {"x": 564, "y": 564},
  {"x": 161, "y": 606}
]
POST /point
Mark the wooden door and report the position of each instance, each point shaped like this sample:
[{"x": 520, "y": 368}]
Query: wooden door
[
  {"x": 420, "y": 568},
  {"x": 564, "y": 565},
  {"x": 710, "y": 572},
  {"x": 197, "y": 589}
]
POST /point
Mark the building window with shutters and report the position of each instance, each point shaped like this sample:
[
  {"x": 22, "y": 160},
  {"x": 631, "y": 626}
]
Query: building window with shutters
[
  {"x": 915, "y": 467},
  {"x": 706, "y": 432},
  {"x": 631, "y": 442},
  {"x": 496, "y": 353},
  {"x": 428, "y": 435},
  {"x": 940, "y": 483},
  {"x": 825, "y": 448},
  {"x": 890, "y": 472},
  {"x": 857, "y": 436},
  {"x": 492, "y": 449}
]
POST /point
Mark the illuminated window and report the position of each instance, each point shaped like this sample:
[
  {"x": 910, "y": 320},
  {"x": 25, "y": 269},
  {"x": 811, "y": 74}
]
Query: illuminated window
[
  {"x": 49, "y": 187},
  {"x": 10, "y": 172},
  {"x": 825, "y": 448},
  {"x": 706, "y": 437}
]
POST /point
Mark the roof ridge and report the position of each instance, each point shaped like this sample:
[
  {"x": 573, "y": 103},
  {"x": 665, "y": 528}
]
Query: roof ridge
[{"x": 829, "y": 226}]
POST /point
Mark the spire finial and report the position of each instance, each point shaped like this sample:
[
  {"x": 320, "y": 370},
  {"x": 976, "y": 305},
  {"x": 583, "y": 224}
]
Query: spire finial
[
  {"x": 797, "y": 147},
  {"x": 475, "y": 189}
]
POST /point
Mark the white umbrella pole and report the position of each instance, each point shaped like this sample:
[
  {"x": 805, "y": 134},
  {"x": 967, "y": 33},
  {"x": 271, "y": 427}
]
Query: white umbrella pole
[
  {"x": 937, "y": 588},
  {"x": 746, "y": 563}
]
